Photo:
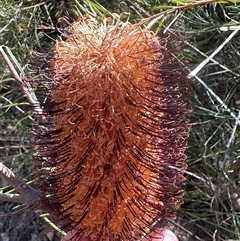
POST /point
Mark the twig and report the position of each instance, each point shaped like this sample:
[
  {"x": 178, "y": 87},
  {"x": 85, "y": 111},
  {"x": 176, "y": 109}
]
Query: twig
[
  {"x": 153, "y": 19},
  {"x": 235, "y": 199},
  {"x": 27, "y": 91},
  {"x": 34, "y": 6},
  {"x": 189, "y": 173},
  {"x": 11, "y": 147},
  {"x": 219, "y": 100},
  {"x": 15, "y": 198},
  {"x": 212, "y": 59},
  {"x": 27, "y": 193},
  {"x": 137, "y": 8},
  {"x": 230, "y": 141},
  {"x": 203, "y": 63},
  {"x": 232, "y": 137}
]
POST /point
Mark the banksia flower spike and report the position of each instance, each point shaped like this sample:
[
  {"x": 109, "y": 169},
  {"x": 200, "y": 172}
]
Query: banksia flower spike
[{"x": 112, "y": 159}]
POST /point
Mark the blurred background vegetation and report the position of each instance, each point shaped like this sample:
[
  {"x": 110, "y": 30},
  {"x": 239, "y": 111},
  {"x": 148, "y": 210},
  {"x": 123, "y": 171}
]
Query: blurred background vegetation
[{"x": 209, "y": 211}]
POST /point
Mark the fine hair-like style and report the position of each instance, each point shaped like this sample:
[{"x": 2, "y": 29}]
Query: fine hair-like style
[{"x": 111, "y": 160}]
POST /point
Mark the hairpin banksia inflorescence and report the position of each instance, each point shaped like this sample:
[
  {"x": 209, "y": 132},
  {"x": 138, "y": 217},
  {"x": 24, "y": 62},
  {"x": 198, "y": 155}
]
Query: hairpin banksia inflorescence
[{"x": 112, "y": 159}]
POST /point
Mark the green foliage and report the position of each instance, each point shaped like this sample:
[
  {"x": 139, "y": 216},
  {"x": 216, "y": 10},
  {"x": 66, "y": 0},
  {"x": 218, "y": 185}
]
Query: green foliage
[{"x": 214, "y": 146}]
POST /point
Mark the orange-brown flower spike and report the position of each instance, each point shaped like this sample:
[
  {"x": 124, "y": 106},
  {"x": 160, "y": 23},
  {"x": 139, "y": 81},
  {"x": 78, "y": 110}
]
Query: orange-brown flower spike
[{"x": 113, "y": 157}]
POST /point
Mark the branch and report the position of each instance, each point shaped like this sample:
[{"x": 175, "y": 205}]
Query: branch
[
  {"x": 27, "y": 195},
  {"x": 154, "y": 18},
  {"x": 26, "y": 87},
  {"x": 15, "y": 198}
]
